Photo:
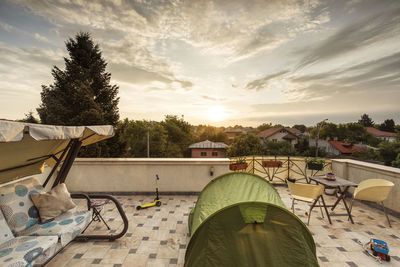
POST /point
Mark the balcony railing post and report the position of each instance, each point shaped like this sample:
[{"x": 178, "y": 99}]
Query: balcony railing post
[{"x": 253, "y": 164}]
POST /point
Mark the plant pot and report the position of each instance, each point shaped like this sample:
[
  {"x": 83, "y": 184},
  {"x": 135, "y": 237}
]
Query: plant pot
[
  {"x": 315, "y": 166},
  {"x": 291, "y": 180},
  {"x": 271, "y": 164},
  {"x": 330, "y": 191},
  {"x": 237, "y": 166}
]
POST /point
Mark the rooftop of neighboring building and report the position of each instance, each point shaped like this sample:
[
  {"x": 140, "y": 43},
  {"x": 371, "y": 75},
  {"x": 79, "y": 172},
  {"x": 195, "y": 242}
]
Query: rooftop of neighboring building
[
  {"x": 209, "y": 144},
  {"x": 271, "y": 131},
  {"x": 379, "y": 133},
  {"x": 346, "y": 148}
]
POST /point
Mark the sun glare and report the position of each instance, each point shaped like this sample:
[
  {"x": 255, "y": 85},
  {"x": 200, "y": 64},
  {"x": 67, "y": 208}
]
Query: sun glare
[{"x": 217, "y": 113}]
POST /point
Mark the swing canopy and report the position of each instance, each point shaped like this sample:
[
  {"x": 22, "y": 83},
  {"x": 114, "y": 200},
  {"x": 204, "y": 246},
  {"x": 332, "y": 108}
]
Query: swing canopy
[{"x": 25, "y": 147}]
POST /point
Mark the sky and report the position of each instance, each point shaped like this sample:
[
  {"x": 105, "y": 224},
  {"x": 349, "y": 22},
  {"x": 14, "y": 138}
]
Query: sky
[{"x": 221, "y": 63}]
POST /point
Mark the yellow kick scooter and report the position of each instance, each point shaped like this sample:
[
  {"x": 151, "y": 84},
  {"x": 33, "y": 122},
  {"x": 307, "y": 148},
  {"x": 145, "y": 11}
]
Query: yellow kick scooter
[{"x": 156, "y": 202}]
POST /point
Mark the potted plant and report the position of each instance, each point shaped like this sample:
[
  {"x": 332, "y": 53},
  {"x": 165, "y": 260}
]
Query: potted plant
[
  {"x": 271, "y": 164},
  {"x": 315, "y": 163},
  {"x": 240, "y": 164}
]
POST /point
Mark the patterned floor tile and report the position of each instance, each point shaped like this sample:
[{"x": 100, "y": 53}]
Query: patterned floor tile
[{"x": 159, "y": 236}]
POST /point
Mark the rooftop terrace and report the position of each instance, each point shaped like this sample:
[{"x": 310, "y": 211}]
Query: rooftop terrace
[{"x": 158, "y": 236}]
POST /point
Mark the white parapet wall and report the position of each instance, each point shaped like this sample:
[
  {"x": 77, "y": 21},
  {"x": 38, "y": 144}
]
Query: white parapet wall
[
  {"x": 357, "y": 171},
  {"x": 139, "y": 174}
]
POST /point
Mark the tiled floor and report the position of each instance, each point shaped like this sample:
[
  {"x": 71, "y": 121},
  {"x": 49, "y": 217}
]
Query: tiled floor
[{"x": 158, "y": 236}]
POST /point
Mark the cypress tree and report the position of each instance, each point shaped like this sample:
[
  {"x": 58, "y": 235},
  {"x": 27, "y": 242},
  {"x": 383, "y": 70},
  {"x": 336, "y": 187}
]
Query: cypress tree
[{"x": 82, "y": 94}]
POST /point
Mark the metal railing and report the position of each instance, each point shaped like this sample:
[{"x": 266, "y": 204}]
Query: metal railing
[{"x": 290, "y": 167}]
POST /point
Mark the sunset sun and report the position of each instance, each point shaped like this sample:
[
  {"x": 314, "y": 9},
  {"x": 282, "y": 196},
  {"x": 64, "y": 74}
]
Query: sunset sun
[{"x": 217, "y": 113}]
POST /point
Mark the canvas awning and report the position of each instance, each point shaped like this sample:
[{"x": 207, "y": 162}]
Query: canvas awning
[{"x": 25, "y": 147}]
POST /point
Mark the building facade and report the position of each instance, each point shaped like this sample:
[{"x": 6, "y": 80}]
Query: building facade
[
  {"x": 290, "y": 135},
  {"x": 208, "y": 149}
]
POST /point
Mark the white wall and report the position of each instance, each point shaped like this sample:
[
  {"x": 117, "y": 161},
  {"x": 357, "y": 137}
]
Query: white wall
[
  {"x": 357, "y": 171},
  {"x": 138, "y": 175}
]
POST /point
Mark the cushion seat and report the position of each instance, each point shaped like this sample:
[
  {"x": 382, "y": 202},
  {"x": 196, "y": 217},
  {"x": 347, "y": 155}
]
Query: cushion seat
[
  {"x": 66, "y": 226},
  {"x": 27, "y": 250}
]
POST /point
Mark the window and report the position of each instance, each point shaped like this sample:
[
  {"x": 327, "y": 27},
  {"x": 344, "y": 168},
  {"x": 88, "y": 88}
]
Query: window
[
  {"x": 203, "y": 154},
  {"x": 274, "y": 140},
  {"x": 214, "y": 154}
]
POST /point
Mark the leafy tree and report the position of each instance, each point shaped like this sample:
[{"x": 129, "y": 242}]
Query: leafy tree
[
  {"x": 356, "y": 133},
  {"x": 301, "y": 127},
  {"x": 264, "y": 126},
  {"x": 396, "y": 162},
  {"x": 29, "y": 118},
  {"x": 136, "y": 136},
  {"x": 82, "y": 93},
  {"x": 245, "y": 145},
  {"x": 389, "y": 151},
  {"x": 281, "y": 148},
  {"x": 302, "y": 145},
  {"x": 327, "y": 130},
  {"x": 179, "y": 136},
  {"x": 388, "y": 126},
  {"x": 366, "y": 121},
  {"x": 213, "y": 134}
]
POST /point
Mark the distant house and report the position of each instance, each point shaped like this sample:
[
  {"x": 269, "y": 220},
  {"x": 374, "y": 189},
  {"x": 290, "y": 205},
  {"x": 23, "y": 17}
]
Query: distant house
[
  {"x": 385, "y": 136},
  {"x": 208, "y": 149},
  {"x": 337, "y": 148},
  {"x": 290, "y": 135},
  {"x": 232, "y": 133},
  {"x": 325, "y": 146},
  {"x": 346, "y": 148}
]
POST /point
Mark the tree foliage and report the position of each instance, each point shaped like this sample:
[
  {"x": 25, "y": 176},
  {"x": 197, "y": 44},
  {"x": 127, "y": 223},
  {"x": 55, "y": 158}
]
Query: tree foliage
[
  {"x": 179, "y": 136},
  {"x": 245, "y": 145},
  {"x": 82, "y": 94},
  {"x": 389, "y": 152},
  {"x": 349, "y": 132},
  {"x": 136, "y": 136},
  {"x": 29, "y": 118},
  {"x": 211, "y": 133},
  {"x": 279, "y": 148},
  {"x": 264, "y": 126},
  {"x": 366, "y": 121},
  {"x": 301, "y": 127},
  {"x": 388, "y": 126}
]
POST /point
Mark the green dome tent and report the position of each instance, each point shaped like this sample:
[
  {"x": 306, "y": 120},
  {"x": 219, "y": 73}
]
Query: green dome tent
[{"x": 240, "y": 220}]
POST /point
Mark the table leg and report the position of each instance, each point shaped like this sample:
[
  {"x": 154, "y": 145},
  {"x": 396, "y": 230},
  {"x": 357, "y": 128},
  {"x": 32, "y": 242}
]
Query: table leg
[
  {"x": 348, "y": 211},
  {"x": 326, "y": 210},
  {"x": 342, "y": 195}
]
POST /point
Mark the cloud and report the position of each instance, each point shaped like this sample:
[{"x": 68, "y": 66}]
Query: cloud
[
  {"x": 262, "y": 83},
  {"x": 215, "y": 99},
  {"x": 380, "y": 74},
  {"x": 357, "y": 35},
  {"x": 7, "y": 27},
  {"x": 136, "y": 75},
  {"x": 41, "y": 38},
  {"x": 222, "y": 27}
]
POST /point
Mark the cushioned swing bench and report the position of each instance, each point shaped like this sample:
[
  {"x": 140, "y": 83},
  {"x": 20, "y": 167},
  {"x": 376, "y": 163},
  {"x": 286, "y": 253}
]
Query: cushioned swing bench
[
  {"x": 27, "y": 236},
  {"x": 24, "y": 240}
]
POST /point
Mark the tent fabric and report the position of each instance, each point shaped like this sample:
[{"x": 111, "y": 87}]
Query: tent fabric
[
  {"x": 228, "y": 189},
  {"x": 25, "y": 147},
  {"x": 240, "y": 220}
]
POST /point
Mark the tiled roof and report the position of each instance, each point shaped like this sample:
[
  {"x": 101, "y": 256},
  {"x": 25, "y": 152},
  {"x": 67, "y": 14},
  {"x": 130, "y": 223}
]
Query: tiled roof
[
  {"x": 346, "y": 148},
  {"x": 379, "y": 133},
  {"x": 208, "y": 144},
  {"x": 290, "y": 136},
  {"x": 271, "y": 131}
]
